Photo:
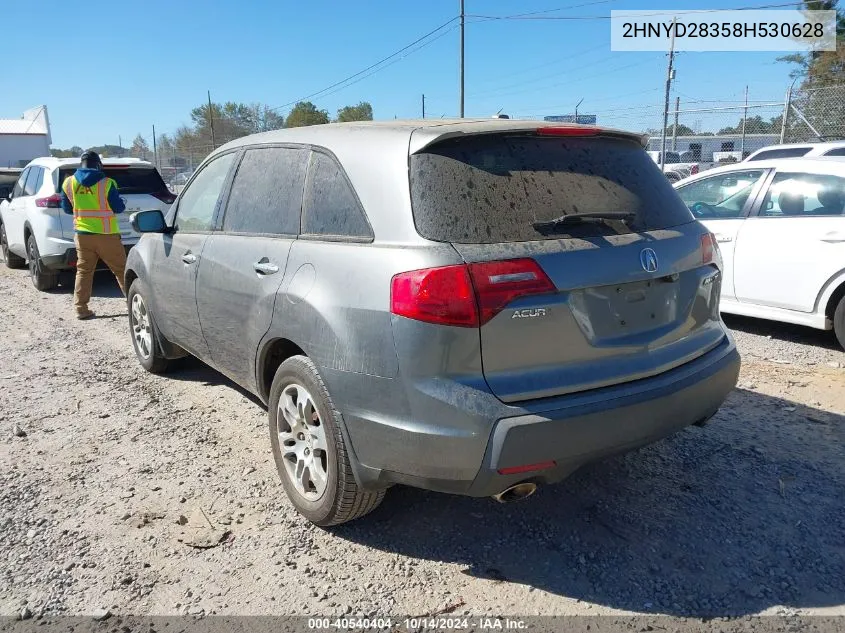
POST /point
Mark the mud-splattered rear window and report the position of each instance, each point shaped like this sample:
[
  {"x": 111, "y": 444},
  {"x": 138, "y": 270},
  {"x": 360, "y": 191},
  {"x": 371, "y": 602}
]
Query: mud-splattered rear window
[{"x": 498, "y": 188}]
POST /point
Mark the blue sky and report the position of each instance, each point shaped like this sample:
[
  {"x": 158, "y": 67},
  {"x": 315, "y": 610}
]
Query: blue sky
[{"x": 124, "y": 66}]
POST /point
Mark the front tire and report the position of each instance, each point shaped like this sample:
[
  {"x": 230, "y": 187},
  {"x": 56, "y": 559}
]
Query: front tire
[
  {"x": 12, "y": 260},
  {"x": 42, "y": 278},
  {"x": 839, "y": 322},
  {"x": 309, "y": 450},
  {"x": 143, "y": 331}
]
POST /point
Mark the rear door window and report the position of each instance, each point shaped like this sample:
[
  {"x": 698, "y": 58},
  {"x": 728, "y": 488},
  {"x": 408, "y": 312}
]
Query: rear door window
[
  {"x": 39, "y": 180},
  {"x": 330, "y": 207},
  {"x": 32, "y": 178},
  {"x": 266, "y": 195},
  {"x": 836, "y": 152},
  {"x": 496, "y": 188},
  {"x": 796, "y": 194}
]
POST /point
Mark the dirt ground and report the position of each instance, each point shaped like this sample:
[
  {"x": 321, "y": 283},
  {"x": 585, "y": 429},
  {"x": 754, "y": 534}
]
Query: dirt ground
[{"x": 155, "y": 495}]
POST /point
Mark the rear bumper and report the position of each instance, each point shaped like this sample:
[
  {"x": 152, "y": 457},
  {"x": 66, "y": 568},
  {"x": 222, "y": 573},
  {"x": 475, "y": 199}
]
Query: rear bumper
[
  {"x": 573, "y": 430},
  {"x": 67, "y": 260}
]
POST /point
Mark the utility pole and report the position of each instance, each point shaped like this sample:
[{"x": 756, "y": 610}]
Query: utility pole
[
  {"x": 155, "y": 149},
  {"x": 461, "y": 109},
  {"x": 787, "y": 104},
  {"x": 675, "y": 130},
  {"x": 669, "y": 74},
  {"x": 744, "y": 119},
  {"x": 576, "y": 110},
  {"x": 211, "y": 122},
  {"x": 423, "y": 106},
  {"x": 120, "y": 144}
]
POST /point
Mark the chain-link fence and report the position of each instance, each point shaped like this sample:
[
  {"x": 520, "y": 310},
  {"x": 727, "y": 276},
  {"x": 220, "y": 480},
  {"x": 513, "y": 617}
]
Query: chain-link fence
[
  {"x": 703, "y": 130},
  {"x": 816, "y": 114}
]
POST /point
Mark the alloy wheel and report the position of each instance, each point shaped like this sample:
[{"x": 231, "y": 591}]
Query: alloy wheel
[
  {"x": 142, "y": 333},
  {"x": 302, "y": 442},
  {"x": 32, "y": 251}
]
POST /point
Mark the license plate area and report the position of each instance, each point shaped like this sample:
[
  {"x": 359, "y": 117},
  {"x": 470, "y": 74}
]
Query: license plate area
[{"x": 618, "y": 311}]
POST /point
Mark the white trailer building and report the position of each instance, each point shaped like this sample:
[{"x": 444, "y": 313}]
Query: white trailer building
[{"x": 25, "y": 138}]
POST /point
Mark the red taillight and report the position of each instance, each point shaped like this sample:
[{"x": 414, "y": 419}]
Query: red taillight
[
  {"x": 709, "y": 248},
  {"x": 465, "y": 295},
  {"x": 575, "y": 130},
  {"x": 50, "y": 202},
  {"x": 513, "y": 470},
  {"x": 693, "y": 170},
  {"x": 499, "y": 283},
  {"x": 435, "y": 295},
  {"x": 165, "y": 196}
]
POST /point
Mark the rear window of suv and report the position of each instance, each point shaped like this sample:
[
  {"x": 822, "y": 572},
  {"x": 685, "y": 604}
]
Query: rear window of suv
[
  {"x": 495, "y": 188},
  {"x": 786, "y": 152},
  {"x": 129, "y": 179}
]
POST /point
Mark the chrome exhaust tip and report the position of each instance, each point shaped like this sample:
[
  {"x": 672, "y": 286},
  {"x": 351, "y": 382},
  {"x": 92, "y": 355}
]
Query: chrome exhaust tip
[{"x": 516, "y": 492}]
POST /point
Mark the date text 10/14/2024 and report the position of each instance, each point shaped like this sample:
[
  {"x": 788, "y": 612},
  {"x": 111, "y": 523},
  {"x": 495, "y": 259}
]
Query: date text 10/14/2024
[{"x": 418, "y": 624}]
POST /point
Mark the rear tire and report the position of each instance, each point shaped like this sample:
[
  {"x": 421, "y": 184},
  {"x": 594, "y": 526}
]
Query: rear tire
[
  {"x": 12, "y": 260},
  {"x": 309, "y": 450},
  {"x": 42, "y": 278},
  {"x": 143, "y": 331},
  {"x": 839, "y": 322}
]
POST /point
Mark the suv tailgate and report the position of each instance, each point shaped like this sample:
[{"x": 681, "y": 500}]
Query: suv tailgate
[{"x": 627, "y": 298}]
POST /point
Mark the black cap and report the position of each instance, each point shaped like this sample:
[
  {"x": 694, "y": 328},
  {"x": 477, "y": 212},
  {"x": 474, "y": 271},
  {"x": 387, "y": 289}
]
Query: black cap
[{"x": 91, "y": 160}]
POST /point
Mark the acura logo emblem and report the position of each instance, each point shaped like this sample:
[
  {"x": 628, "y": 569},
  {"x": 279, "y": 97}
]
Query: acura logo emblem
[{"x": 648, "y": 259}]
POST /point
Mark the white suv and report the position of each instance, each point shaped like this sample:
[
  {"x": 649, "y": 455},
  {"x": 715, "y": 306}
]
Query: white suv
[
  {"x": 780, "y": 225},
  {"x": 34, "y": 230},
  {"x": 798, "y": 150}
]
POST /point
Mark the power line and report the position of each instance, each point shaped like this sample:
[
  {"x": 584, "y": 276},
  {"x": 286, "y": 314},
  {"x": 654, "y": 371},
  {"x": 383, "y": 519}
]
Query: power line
[
  {"x": 495, "y": 91},
  {"x": 532, "y": 13},
  {"x": 486, "y": 18},
  {"x": 600, "y": 99},
  {"x": 373, "y": 72},
  {"x": 557, "y": 62},
  {"x": 368, "y": 68},
  {"x": 552, "y": 62},
  {"x": 569, "y": 80}
]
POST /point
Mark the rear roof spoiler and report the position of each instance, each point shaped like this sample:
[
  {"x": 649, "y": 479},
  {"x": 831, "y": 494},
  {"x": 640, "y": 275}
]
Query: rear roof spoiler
[{"x": 423, "y": 137}]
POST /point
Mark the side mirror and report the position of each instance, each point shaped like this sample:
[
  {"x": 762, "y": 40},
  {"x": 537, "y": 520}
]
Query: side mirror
[{"x": 148, "y": 222}]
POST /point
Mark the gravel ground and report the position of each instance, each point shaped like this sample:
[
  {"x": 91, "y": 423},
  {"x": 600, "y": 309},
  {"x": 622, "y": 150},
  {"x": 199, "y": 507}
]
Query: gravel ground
[{"x": 148, "y": 495}]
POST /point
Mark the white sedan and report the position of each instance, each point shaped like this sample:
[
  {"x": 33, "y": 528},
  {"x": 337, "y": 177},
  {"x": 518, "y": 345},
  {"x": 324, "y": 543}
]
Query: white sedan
[{"x": 780, "y": 225}]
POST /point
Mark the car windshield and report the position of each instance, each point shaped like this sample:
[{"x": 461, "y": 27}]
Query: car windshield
[
  {"x": 130, "y": 180},
  {"x": 498, "y": 188}
]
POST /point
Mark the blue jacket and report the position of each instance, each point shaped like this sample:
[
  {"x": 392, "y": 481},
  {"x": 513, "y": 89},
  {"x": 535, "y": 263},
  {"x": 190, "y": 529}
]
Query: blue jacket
[{"x": 88, "y": 178}]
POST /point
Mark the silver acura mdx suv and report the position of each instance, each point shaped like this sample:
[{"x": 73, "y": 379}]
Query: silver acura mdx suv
[{"x": 475, "y": 306}]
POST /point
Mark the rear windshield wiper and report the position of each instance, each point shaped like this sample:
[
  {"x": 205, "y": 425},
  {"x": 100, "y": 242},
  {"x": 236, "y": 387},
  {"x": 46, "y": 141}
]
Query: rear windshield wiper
[{"x": 580, "y": 218}]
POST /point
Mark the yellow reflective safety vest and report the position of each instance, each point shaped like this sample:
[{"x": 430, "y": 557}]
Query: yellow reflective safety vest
[{"x": 91, "y": 210}]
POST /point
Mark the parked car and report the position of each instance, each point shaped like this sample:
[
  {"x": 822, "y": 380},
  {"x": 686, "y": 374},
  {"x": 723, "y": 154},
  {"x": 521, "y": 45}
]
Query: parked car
[
  {"x": 678, "y": 166},
  {"x": 781, "y": 228},
  {"x": 35, "y": 231},
  {"x": 8, "y": 177},
  {"x": 474, "y": 306},
  {"x": 797, "y": 150}
]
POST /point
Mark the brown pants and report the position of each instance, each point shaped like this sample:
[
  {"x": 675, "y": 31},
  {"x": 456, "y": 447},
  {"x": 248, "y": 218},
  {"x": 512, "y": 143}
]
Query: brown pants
[{"x": 89, "y": 250}]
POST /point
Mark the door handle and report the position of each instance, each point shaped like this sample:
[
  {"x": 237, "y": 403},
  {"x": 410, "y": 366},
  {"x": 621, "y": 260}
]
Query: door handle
[
  {"x": 265, "y": 268},
  {"x": 723, "y": 238},
  {"x": 189, "y": 258},
  {"x": 833, "y": 237}
]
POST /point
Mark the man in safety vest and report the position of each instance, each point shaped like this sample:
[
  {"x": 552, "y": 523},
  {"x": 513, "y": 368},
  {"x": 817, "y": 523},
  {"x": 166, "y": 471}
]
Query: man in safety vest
[{"x": 93, "y": 199}]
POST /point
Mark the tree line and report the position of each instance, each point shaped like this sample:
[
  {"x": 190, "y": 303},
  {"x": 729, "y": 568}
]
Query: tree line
[{"x": 218, "y": 123}]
